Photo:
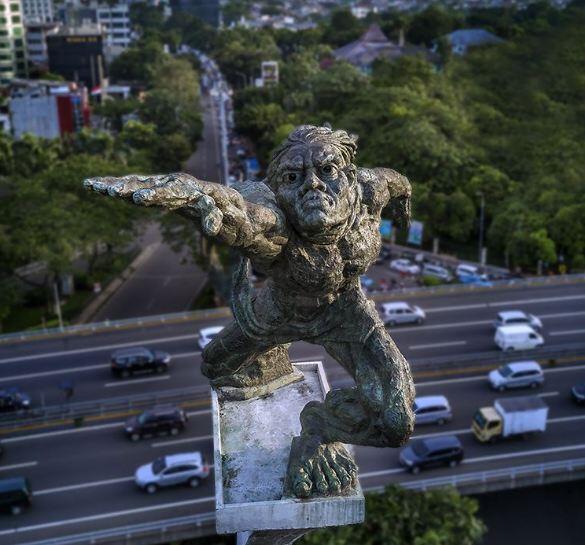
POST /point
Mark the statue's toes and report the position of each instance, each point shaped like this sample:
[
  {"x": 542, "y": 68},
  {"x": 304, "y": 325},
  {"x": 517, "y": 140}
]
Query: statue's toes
[
  {"x": 333, "y": 481},
  {"x": 303, "y": 485},
  {"x": 319, "y": 479}
]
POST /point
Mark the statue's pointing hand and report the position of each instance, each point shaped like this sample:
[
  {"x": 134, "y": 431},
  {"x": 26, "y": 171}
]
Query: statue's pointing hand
[{"x": 172, "y": 191}]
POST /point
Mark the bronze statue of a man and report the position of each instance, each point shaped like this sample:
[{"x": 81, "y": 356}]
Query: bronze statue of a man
[{"x": 312, "y": 227}]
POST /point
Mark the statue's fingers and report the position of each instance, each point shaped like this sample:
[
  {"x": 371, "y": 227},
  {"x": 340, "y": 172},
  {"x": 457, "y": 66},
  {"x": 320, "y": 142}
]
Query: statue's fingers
[
  {"x": 126, "y": 186},
  {"x": 168, "y": 194}
]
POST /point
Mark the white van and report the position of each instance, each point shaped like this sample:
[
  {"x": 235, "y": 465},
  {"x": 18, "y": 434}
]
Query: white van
[
  {"x": 465, "y": 269},
  {"x": 432, "y": 410},
  {"x": 517, "y": 337},
  {"x": 437, "y": 271}
]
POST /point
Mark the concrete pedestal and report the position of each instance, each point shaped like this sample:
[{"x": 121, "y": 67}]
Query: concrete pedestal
[{"x": 252, "y": 440}]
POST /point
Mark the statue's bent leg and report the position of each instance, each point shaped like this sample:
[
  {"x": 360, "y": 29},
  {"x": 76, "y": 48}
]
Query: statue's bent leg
[
  {"x": 234, "y": 359},
  {"x": 377, "y": 412}
]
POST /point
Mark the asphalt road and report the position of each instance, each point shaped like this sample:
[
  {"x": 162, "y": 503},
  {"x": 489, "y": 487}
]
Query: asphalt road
[{"x": 83, "y": 477}]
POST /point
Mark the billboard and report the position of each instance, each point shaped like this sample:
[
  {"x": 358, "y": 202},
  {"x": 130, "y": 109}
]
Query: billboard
[
  {"x": 270, "y": 73},
  {"x": 415, "y": 233},
  {"x": 386, "y": 229}
]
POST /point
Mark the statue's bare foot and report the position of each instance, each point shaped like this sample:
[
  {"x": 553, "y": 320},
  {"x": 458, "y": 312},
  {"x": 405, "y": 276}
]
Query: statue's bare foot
[{"x": 317, "y": 468}]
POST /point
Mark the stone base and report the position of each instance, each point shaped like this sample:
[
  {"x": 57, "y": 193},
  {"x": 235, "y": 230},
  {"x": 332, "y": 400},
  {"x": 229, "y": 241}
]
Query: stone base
[
  {"x": 229, "y": 393},
  {"x": 252, "y": 441}
]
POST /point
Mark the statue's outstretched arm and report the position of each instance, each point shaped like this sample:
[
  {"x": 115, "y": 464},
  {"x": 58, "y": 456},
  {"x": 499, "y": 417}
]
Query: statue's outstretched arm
[
  {"x": 386, "y": 188},
  {"x": 222, "y": 212}
]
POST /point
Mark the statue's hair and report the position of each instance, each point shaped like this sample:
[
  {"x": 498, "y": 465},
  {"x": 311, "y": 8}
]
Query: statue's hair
[{"x": 344, "y": 142}]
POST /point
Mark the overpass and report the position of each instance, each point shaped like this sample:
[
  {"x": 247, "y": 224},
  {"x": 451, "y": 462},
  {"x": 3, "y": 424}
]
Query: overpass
[{"x": 82, "y": 476}]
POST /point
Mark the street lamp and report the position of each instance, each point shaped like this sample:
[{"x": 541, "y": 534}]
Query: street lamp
[{"x": 481, "y": 219}]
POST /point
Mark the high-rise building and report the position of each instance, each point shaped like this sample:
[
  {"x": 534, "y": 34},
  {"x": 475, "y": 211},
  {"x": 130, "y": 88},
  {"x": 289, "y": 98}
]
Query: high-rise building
[
  {"x": 12, "y": 45},
  {"x": 36, "y": 42},
  {"x": 115, "y": 20},
  {"x": 38, "y": 11}
]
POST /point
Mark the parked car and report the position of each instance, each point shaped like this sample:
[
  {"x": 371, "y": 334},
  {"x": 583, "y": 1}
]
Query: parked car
[
  {"x": 513, "y": 317},
  {"x": 517, "y": 337},
  {"x": 13, "y": 399},
  {"x": 404, "y": 266},
  {"x": 400, "y": 312},
  {"x": 436, "y": 271},
  {"x": 578, "y": 393},
  {"x": 15, "y": 495},
  {"x": 177, "y": 469},
  {"x": 476, "y": 280},
  {"x": 129, "y": 361},
  {"x": 157, "y": 421},
  {"x": 207, "y": 334},
  {"x": 431, "y": 452},
  {"x": 518, "y": 374},
  {"x": 432, "y": 410},
  {"x": 465, "y": 269},
  {"x": 366, "y": 282}
]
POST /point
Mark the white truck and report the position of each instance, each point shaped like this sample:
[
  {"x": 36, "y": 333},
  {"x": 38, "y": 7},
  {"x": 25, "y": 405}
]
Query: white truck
[{"x": 510, "y": 416}]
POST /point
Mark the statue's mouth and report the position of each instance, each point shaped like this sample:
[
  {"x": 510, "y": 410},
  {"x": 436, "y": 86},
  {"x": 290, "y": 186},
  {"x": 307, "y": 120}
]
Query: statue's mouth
[{"x": 317, "y": 200}]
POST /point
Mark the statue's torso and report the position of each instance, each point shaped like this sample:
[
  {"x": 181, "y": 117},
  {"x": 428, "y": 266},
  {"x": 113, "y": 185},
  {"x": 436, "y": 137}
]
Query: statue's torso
[{"x": 307, "y": 269}]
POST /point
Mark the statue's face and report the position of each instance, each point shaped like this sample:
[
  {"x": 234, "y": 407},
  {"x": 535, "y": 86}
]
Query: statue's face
[{"x": 316, "y": 190}]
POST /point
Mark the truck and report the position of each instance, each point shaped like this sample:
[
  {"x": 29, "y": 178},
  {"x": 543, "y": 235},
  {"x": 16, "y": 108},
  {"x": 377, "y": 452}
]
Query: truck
[{"x": 510, "y": 417}]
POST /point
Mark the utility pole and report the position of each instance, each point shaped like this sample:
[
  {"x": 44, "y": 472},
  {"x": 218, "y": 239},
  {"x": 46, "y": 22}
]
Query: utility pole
[
  {"x": 57, "y": 304},
  {"x": 481, "y": 220}
]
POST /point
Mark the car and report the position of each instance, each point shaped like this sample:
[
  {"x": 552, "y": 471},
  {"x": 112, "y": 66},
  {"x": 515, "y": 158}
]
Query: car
[
  {"x": 432, "y": 410},
  {"x": 13, "y": 399},
  {"x": 207, "y": 334},
  {"x": 15, "y": 495},
  {"x": 436, "y": 271},
  {"x": 400, "y": 312},
  {"x": 130, "y": 361},
  {"x": 366, "y": 282},
  {"x": 512, "y": 317},
  {"x": 518, "y": 374},
  {"x": 476, "y": 280},
  {"x": 404, "y": 266},
  {"x": 465, "y": 269},
  {"x": 517, "y": 337},
  {"x": 177, "y": 469},
  {"x": 432, "y": 451},
  {"x": 159, "y": 420},
  {"x": 578, "y": 393}
]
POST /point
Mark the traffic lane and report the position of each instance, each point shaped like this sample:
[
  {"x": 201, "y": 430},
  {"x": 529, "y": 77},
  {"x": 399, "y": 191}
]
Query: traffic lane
[
  {"x": 119, "y": 504},
  {"x": 96, "y": 454},
  {"x": 564, "y": 295},
  {"x": 561, "y": 440}
]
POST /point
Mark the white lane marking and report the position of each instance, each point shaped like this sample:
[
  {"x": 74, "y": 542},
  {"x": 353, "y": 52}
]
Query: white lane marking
[
  {"x": 103, "y": 516},
  {"x": 562, "y": 419},
  {"x": 18, "y": 466},
  {"x": 549, "y": 394},
  {"x": 451, "y": 381},
  {"x": 519, "y": 454},
  {"x": 504, "y": 303},
  {"x": 564, "y": 369},
  {"x": 186, "y": 354},
  {"x": 59, "y": 432},
  {"x": 54, "y": 372},
  {"x": 562, "y": 314},
  {"x": 135, "y": 381},
  {"x": 197, "y": 413},
  {"x": 98, "y": 348},
  {"x": 568, "y": 332},
  {"x": 399, "y": 329},
  {"x": 436, "y": 345},
  {"x": 82, "y": 485},
  {"x": 181, "y": 441}
]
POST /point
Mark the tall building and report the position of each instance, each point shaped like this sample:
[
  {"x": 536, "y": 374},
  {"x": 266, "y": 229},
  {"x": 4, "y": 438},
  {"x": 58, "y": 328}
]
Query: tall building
[
  {"x": 77, "y": 54},
  {"x": 36, "y": 42},
  {"x": 115, "y": 20},
  {"x": 12, "y": 45},
  {"x": 38, "y": 11},
  {"x": 206, "y": 10}
]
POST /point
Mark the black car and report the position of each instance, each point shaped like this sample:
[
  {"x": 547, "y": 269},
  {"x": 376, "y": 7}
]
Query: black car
[
  {"x": 432, "y": 451},
  {"x": 12, "y": 399},
  {"x": 129, "y": 361},
  {"x": 578, "y": 393},
  {"x": 157, "y": 421},
  {"x": 15, "y": 495}
]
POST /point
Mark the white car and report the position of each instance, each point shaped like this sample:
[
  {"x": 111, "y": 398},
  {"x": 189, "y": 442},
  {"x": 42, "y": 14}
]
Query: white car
[
  {"x": 518, "y": 374},
  {"x": 404, "y": 266},
  {"x": 436, "y": 271},
  {"x": 207, "y": 334},
  {"x": 189, "y": 468},
  {"x": 400, "y": 312},
  {"x": 465, "y": 269},
  {"x": 517, "y": 337},
  {"x": 513, "y": 317}
]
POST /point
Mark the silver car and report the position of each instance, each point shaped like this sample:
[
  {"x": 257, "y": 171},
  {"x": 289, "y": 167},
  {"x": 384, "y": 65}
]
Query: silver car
[
  {"x": 519, "y": 374},
  {"x": 400, "y": 312},
  {"x": 178, "y": 469},
  {"x": 432, "y": 410}
]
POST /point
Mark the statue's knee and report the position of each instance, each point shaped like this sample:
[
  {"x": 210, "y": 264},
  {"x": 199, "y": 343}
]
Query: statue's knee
[{"x": 398, "y": 425}]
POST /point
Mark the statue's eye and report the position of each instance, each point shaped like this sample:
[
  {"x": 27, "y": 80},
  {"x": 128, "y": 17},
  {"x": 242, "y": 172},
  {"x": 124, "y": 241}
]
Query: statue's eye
[
  {"x": 292, "y": 176},
  {"x": 327, "y": 169}
]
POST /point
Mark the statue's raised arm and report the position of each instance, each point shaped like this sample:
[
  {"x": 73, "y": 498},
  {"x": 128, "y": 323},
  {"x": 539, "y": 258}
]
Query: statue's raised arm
[{"x": 255, "y": 229}]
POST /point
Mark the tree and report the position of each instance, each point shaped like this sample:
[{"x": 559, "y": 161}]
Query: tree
[
  {"x": 342, "y": 28},
  {"x": 431, "y": 23},
  {"x": 405, "y": 517}
]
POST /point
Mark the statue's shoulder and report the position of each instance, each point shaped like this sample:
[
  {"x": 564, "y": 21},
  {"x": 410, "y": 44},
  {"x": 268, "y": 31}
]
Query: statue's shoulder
[{"x": 257, "y": 193}]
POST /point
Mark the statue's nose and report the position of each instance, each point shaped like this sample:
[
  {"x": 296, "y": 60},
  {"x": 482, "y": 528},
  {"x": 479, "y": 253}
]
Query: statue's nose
[{"x": 312, "y": 181}]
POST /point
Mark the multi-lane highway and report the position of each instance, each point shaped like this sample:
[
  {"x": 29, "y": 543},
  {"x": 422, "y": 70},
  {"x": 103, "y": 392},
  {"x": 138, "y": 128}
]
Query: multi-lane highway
[{"x": 82, "y": 477}]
